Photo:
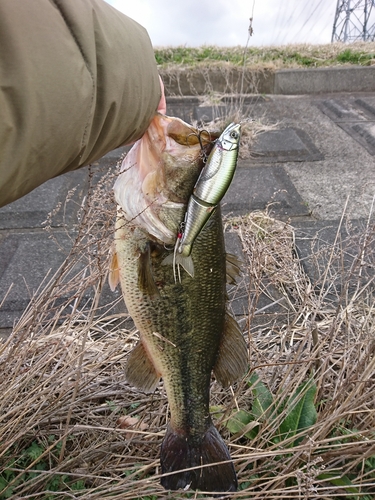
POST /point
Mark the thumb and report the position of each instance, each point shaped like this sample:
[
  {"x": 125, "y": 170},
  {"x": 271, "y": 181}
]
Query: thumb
[{"x": 162, "y": 107}]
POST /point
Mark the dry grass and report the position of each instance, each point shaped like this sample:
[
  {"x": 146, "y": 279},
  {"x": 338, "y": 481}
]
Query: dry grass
[{"x": 63, "y": 390}]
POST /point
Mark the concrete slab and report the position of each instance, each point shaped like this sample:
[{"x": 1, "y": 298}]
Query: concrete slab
[
  {"x": 32, "y": 210},
  {"x": 182, "y": 107},
  {"x": 217, "y": 79},
  {"x": 227, "y": 106},
  {"x": 26, "y": 259},
  {"x": 239, "y": 100},
  {"x": 355, "y": 116},
  {"x": 368, "y": 104},
  {"x": 29, "y": 259},
  {"x": 194, "y": 108},
  {"x": 364, "y": 133},
  {"x": 283, "y": 145},
  {"x": 344, "y": 178},
  {"x": 340, "y": 110},
  {"x": 256, "y": 188}
]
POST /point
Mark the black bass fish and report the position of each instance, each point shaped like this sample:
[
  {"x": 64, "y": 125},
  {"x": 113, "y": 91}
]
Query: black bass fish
[{"x": 185, "y": 331}]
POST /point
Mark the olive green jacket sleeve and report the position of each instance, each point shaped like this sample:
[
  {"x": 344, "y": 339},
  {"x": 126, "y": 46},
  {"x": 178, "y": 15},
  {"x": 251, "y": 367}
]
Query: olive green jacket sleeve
[{"x": 77, "y": 79}]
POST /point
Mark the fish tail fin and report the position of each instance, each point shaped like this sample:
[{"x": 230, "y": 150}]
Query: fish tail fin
[{"x": 180, "y": 451}]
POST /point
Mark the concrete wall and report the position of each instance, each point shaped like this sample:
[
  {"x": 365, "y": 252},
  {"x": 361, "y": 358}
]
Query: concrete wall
[{"x": 229, "y": 80}]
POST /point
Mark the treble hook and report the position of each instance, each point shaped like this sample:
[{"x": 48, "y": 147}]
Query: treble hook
[
  {"x": 176, "y": 265},
  {"x": 199, "y": 135}
]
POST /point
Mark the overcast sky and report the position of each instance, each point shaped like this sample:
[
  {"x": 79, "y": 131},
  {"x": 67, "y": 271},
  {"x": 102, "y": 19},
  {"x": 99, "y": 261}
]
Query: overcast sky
[{"x": 226, "y": 22}]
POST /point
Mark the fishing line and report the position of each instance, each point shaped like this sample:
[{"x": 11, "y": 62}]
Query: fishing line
[{"x": 309, "y": 18}]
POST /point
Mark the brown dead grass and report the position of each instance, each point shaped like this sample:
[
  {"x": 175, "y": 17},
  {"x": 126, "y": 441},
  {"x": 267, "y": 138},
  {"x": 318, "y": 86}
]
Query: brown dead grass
[{"x": 62, "y": 384}]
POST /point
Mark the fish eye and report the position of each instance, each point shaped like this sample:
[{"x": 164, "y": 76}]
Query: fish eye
[{"x": 234, "y": 135}]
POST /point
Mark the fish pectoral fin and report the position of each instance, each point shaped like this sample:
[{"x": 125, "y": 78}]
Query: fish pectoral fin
[
  {"x": 114, "y": 272},
  {"x": 146, "y": 281},
  {"x": 187, "y": 263},
  {"x": 232, "y": 360},
  {"x": 233, "y": 268},
  {"x": 177, "y": 259},
  {"x": 140, "y": 371}
]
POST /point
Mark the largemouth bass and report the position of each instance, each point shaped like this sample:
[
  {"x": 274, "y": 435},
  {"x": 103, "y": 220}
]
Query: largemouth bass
[{"x": 185, "y": 330}]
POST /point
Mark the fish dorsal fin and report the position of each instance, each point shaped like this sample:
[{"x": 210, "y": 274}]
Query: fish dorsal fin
[
  {"x": 146, "y": 281},
  {"x": 232, "y": 360},
  {"x": 233, "y": 268},
  {"x": 139, "y": 370},
  {"x": 114, "y": 272}
]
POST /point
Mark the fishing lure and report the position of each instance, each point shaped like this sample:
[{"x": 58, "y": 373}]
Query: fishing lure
[{"x": 210, "y": 188}]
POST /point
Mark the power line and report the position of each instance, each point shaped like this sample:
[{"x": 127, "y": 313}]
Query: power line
[{"x": 309, "y": 17}]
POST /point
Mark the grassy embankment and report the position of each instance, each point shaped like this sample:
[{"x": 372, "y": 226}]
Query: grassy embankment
[
  {"x": 248, "y": 70},
  {"x": 273, "y": 57}
]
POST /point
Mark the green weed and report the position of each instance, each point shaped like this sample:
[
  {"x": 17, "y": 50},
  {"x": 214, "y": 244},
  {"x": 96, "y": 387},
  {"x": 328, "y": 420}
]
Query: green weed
[
  {"x": 283, "y": 56},
  {"x": 297, "y": 413},
  {"x": 33, "y": 457},
  {"x": 192, "y": 56},
  {"x": 361, "y": 58},
  {"x": 294, "y": 416},
  {"x": 342, "y": 435}
]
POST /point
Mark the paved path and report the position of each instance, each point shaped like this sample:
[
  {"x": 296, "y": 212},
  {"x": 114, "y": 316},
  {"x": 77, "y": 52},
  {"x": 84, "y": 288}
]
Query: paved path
[{"x": 321, "y": 153}]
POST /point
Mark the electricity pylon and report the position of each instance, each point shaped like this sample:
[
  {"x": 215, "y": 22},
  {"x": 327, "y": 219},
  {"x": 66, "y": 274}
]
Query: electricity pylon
[{"x": 354, "y": 21}]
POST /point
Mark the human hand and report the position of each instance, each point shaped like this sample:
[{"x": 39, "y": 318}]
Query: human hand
[{"x": 162, "y": 108}]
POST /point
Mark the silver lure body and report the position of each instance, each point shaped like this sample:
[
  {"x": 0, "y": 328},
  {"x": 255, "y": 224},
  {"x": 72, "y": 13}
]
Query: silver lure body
[{"x": 211, "y": 186}]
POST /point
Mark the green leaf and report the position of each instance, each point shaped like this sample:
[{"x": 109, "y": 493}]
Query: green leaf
[
  {"x": 78, "y": 485},
  {"x": 8, "y": 474},
  {"x": 238, "y": 422},
  {"x": 218, "y": 411},
  {"x": 263, "y": 402},
  {"x": 4, "y": 486},
  {"x": 301, "y": 411},
  {"x": 34, "y": 451},
  {"x": 342, "y": 481},
  {"x": 3, "y": 483}
]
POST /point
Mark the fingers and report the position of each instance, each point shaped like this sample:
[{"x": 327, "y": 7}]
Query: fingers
[{"x": 162, "y": 108}]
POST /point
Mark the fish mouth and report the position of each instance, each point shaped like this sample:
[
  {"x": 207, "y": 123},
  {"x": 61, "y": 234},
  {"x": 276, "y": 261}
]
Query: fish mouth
[{"x": 159, "y": 173}]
